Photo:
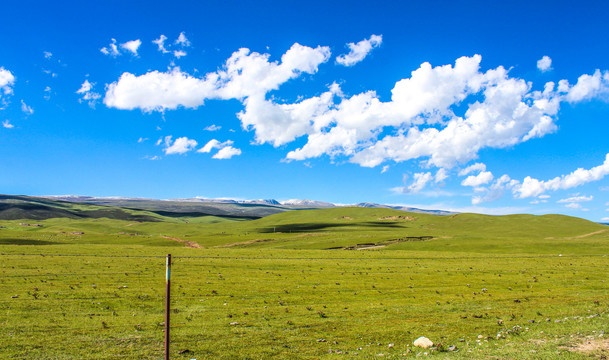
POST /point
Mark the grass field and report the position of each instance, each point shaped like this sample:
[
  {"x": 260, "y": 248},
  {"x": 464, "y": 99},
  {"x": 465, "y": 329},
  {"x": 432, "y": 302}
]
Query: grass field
[{"x": 516, "y": 287}]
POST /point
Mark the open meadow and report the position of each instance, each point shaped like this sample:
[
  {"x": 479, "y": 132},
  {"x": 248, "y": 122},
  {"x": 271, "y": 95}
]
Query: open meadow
[{"x": 314, "y": 284}]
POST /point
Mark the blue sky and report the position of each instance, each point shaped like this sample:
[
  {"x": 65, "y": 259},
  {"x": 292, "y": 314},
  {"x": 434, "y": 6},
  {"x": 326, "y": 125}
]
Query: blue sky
[{"x": 466, "y": 106}]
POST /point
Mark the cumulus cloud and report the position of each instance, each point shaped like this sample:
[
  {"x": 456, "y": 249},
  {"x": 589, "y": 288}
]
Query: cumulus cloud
[
  {"x": 211, "y": 144},
  {"x": 385, "y": 168},
  {"x": 473, "y": 168},
  {"x": 27, "y": 110},
  {"x": 182, "y": 40},
  {"x": 357, "y": 52},
  {"x": 587, "y": 87},
  {"x": 47, "y": 54},
  {"x": 544, "y": 64},
  {"x": 227, "y": 152},
  {"x": 160, "y": 42},
  {"x": 88, "y": 95},
  {"x": 158, "y": 91},
  {"x": 7, "y": 124},
  {"x": 420, "y": 181},
  {"x": 7, "y": 80},
  {"x": 504, "y": 118},
  {"x": 244, "y": 75},
  {"x": 482, "y": 178},
  {"x": 214, "y": 144},
  {"x": 111, "y": 49},
  {"x": 132, "y": 46},
  {"x": 443, "y": 115},
  {"x": 534, "y": 187},
  {"x": 441, "y": 175},
  {"x": 181, "y": 145}
]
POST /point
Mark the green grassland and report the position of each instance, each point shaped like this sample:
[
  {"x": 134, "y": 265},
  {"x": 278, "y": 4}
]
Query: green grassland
[{"x": 311, "y": 284}]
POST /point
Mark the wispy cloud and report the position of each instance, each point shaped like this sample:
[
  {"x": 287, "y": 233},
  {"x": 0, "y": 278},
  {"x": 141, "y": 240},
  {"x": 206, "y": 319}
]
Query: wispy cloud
[{"x": 358, "y": 51}]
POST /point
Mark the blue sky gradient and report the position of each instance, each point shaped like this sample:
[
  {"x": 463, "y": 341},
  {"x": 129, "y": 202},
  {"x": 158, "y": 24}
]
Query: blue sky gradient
[{"x": 100, "y": 142}]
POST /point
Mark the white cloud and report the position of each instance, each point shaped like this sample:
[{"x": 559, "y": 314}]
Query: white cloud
[
  {"x": 182, "y": 40},
  {"x": 180, "y": 145},
  {"x": 160, "y": 42},
  {"x": 88, "y": 95},
  {"x": 444, "y": 115},
  {"x": 132, "y": 46},
  {"x": 534, "y": 187},
  {"x": 544, "y": 64},
  {"x": 576, "y": 199},
  {"x": 27, "y": 110},
  {"x": 179, "y": 53},
  {"x": 482, "y": 178},
  {"x": 158, "y": 91},
  {"x": 503, "y": 119},
  {"x": 141, "y": 140},
  {"x": 47, "y": 54},
  {"x": 244, "y": 75},
  {"x": 111, "y": 50},
  {"x": 587, "y": 87},
  {"x": 357, "y": 52},
  {"x": 473, "y": 168},
  {"x": 214, "y": 144},
  {"x": 574, "y": 206},
  {"x": 227, "y": 152},
  {"x": 495, "y": 191},
  {"x": 441, "y": 175},
  {"x": 385, "y": 168},
  {"x": 212, "y": 127},
  {"x": 420, "y": 180},
  {"x": 6, "y": 124},
  {"x": 544, "y": 196},
  {"x": 605, "y": 219},
  {"x": 211, "y": 144},
  {"x": 47, "y": 93},
  {"x": 7, "y": 80}
]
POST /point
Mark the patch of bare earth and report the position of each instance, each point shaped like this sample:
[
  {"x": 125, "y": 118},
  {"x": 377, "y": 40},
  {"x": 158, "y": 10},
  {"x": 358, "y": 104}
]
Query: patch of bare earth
[
  {"x": 590, "y": 234},
  {"x": 188, "y": 243},
  {"x": 597, "y": 347},
  {"x": 250, "y": 242},
  {"x": 406, "y": 218}
]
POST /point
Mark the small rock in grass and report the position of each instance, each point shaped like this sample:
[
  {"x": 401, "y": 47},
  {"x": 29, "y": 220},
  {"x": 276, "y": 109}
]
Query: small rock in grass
[{"x": 423, "y": 342}]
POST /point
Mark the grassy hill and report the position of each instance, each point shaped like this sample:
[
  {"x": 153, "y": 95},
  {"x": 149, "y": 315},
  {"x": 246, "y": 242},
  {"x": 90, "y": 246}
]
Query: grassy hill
[
  {"x": 334, "y": 228},
  {"x": 89, "y": 286}
]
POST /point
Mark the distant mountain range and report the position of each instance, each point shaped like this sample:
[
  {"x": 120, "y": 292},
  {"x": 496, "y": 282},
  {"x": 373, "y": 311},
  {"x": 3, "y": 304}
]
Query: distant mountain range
[{"x": 292, "y": 204}]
